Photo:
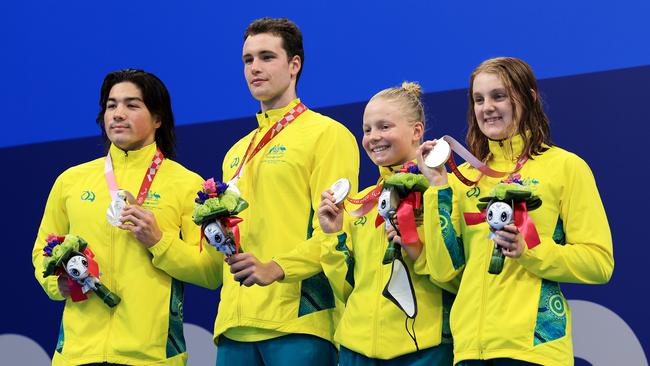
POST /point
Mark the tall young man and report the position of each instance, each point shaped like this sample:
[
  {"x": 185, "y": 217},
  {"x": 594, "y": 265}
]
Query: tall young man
[
  {"x": 281, "y": 168},
  {"x": 147, "y": 251}
]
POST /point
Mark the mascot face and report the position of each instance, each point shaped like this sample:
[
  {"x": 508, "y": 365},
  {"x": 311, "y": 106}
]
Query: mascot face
[
  {"x": 215, "y": 235},
  {"x": 499, "y": 214},
  {"x": 387, "y": 203},
  {"x": 77, "y": 267}
]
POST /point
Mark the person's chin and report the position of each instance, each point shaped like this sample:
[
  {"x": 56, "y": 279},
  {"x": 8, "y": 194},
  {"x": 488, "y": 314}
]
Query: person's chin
[{"x": 495, "y": 133}]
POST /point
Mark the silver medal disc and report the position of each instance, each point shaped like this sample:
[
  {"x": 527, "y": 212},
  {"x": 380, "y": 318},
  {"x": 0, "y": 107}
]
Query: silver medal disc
[
  {"x": 114, "y": 211},
  {"x": 439, "y": 155},
  {"x": 340, "y": 190}
]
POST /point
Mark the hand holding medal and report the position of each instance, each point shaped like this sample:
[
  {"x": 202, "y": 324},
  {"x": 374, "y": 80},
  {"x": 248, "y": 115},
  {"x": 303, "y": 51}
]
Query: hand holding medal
[
  {"x": 125, "y": 211},
  {"x": 330, "y": 211},
  {"x": 120, "y": 200}
]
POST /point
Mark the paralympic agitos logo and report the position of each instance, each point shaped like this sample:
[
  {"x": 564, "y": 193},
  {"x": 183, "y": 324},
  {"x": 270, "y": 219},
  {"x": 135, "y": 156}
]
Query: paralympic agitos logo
[{"x": 88, "y": 196}]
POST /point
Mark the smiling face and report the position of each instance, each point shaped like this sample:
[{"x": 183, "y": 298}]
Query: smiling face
[
  {"x": 388, "y": 137},
  {"x": 270, "y": 74},
  {"x": 127, "y": 121},
  {"x": 493, "y": 107}
]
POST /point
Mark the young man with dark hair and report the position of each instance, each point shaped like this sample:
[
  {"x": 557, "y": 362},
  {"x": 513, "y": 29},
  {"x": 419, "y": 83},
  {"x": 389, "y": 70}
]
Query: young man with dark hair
[
  {"x": 143, "y": 253},
  {"x": 281, "y": 168}
]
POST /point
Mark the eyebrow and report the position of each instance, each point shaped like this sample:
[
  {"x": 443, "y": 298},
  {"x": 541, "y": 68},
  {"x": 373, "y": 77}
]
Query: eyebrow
[
  {"x": 250, "y": 54},
  {"x": 504, "y": 90},
  {"x": 126, "y": 100}
]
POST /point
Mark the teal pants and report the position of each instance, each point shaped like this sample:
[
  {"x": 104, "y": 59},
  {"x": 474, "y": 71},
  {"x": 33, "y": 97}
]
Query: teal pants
[
  {"x": 442, "y": 355},
  {"x": 288, "y": 350},
  {"x": 496, "y": 362}
]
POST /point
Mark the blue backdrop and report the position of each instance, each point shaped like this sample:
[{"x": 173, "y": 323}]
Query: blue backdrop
[{"x": 589, "y": 57}]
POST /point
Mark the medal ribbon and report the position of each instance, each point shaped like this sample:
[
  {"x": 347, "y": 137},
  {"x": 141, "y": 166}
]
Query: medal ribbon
[
  {"x": 459, "y": 149},
  {"x": 367, "y": 202},
  {"x": 149, "y": 175},
  {"x": 370, "y": 199},
  {"x": 283, "y": 122}
]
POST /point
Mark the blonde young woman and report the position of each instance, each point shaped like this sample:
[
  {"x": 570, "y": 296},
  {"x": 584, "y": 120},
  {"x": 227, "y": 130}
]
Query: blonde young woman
[{"x": 373, "y": 329}]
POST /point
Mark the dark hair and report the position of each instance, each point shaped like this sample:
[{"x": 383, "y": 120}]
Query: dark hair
[
  {"x": 531, "y": 121},
  {"x": 285, "y": 29},
  {"x": 155, "y": 97}
]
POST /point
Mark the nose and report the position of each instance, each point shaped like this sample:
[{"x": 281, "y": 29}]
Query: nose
[
  {"x": 374, "y": 135},
  {"x": 488, "y": 105},
  {"x": 255, "y": 66},
  {"x": 119, "y": 113}
]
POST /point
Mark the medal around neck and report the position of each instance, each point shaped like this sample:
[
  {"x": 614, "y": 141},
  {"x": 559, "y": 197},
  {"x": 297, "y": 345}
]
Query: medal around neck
[
  {"x": 119, "y": 202},
  {"x": 439, "y": 155},
  {"x": 340, "y": 189}
]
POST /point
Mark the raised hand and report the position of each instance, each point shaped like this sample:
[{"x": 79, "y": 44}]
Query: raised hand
[
  {"x": 436, "y": 176},
  {"x": 330, "y": 215}
]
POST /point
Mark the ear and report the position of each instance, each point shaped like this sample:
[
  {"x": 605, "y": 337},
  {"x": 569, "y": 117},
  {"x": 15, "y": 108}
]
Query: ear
[
  {"x": 295, "y": 64},
  {"x": 157, "y": 122},
  {"x": 534, "y": 94},
  {"x": 418, "y": 131}
]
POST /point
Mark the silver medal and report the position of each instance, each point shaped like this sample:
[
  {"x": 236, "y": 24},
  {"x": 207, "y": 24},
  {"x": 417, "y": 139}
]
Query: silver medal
[
  {"x": 114, "y": 211},
  {"x": 439, "y": 155},
  {"x": 340, "y": 190}
]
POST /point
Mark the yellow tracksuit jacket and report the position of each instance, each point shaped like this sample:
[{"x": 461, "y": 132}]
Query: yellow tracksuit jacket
[
  {"x": 371, "y": 324},
  {"x": 520, "y": 313},
  {"x": 282, "y": 185},
  {"x": 146, "y": 328}
]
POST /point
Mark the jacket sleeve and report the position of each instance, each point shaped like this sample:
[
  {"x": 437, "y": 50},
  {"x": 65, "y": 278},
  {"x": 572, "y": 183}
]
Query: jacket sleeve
[
  {"x": 335, "y": 156},
  {"x": 421, "y": 268},
  {"x": 178, "y": 254},
  {"x": 443, "y": 247},
  {"x": 337, "y": 261},
  {"x": 587, "y": 254},
  {"x": 55, "y": 221}
]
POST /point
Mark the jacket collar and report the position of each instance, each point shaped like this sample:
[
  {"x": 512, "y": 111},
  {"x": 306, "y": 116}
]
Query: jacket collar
[
  {"x": 268, "y": 118},
  {"x": 133, "y": 157},
  {"x": 387, "y": 171},
  {"x": 507, "y": 150}
]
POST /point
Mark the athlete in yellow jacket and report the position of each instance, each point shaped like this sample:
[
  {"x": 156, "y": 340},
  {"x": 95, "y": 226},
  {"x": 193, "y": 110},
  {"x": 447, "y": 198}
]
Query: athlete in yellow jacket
[
  {"x": 145, "y": 259},
  {"x": 406, "y": 322},
  {"x": 281, "y": 186},
  {"x": 371, "y": 324},
  {"x": 284, "y": 323},
  {"x": 519, "y": 316}
]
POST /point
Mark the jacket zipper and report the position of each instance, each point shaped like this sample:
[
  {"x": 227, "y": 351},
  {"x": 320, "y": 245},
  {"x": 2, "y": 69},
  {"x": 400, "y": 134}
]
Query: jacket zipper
[{"x": 378, "y": 292}]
